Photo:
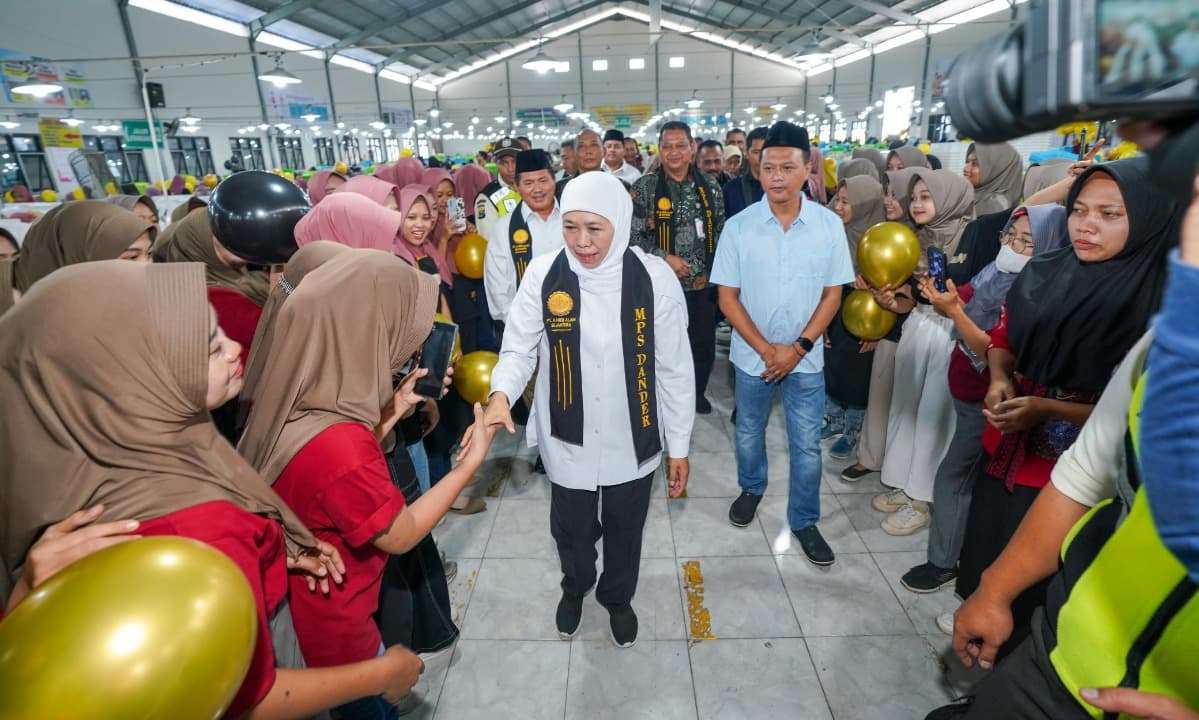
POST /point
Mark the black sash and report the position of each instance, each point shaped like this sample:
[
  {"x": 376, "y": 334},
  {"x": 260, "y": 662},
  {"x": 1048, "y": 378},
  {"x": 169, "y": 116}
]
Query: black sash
[
  {"x": 560, "y": 298},
  {"x": 664, "y": 212},
  {"x": 520, "y": 242}
]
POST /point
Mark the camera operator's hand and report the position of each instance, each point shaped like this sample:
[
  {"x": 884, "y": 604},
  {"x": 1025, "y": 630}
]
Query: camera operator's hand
[
  {"x": 1136, "y": 703},
  {"x": 980, "y": 626}
]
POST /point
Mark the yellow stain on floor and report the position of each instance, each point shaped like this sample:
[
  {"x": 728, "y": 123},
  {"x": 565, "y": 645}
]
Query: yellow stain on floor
[{"x": 699, "y": 620}]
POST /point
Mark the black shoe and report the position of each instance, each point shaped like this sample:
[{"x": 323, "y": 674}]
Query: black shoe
[
  {"x": 623, "y": 623},
  {"x": 814, "y": 546},
  {"x": 702, "y": 406},
  {"x": 570, "y": 614},
  {"x": 538, "y": 466},
  {"x": 733, "y": 417},
  {"x": 956, "y": 709},
  {"x": 742, "y": 511},
  {"x": 928, "y": 578},
  {"x": 853, "y": 473}
]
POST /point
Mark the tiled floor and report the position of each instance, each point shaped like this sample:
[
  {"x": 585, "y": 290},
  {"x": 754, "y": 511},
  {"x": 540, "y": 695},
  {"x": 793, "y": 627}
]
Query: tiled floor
[{"x": 792, "y": 640}]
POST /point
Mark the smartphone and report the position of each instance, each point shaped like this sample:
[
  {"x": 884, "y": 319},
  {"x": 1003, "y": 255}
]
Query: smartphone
[
  {"x": 435, "y": 357},
  {"x": 456, "y": 209},
  {"x": 938, "y": 265}
]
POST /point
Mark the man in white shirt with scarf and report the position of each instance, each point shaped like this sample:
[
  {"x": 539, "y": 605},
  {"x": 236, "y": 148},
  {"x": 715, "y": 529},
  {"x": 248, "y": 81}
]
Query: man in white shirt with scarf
[{"x": 615, "y": 391}]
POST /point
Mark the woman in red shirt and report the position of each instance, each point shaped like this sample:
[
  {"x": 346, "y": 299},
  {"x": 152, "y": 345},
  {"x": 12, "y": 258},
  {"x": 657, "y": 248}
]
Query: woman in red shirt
[
  {"x": 319, "y": 415},
  {"x": 120, "y": 419},
  {"x": 1069, "y": 319}
]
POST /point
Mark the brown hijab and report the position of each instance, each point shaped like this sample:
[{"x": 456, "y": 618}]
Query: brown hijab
[
  {"x": 1045, "y": 175},
  {"x": 911, "y": 157},
  {"x": 856, "y": 167},
  {"x": 183, "y": 209},
  {"x": 191, "y": 240},
  {"x": 119, "y": 417},
  {"x": 866, "y": 199},
  {"x": 6, "y": 285},
  {"x": 129, "y": 201},
  {"x": 953, "y": 198},
  {"x": 874, "y": 156},
  {"x": 337, "y": 341},
  {"x": 1000, "y": 177},
  {"x": 306, "y": 259},
  {"x": 76, "y": 232}
]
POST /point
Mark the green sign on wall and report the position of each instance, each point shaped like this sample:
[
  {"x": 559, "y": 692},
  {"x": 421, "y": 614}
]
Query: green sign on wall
[{"x": 137, "y": 134}]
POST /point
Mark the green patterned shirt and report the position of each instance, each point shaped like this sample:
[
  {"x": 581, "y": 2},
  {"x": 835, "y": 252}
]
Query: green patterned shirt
[{"x": 688, "y": 218}]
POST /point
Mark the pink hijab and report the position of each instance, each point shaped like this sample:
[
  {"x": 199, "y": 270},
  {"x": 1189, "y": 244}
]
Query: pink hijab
[
  {"x": 405, "y": 172},
  {"x": 371, "y": 187},
  {"x": 470, "y": 179},
  {"x": 431, "y": 179},
  {"x": 816, "y": 179},
  {"x": 408, "y": 252},
  {"x": 317, "y": 183},
  {"x": 350, "y": 219}
]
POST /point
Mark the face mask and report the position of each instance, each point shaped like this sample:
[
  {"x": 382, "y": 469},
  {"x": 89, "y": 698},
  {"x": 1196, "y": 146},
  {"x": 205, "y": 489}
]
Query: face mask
[{"x": 1010, "y": 261}]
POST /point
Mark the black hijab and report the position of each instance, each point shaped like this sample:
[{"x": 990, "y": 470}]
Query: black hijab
[{"x": 1071, "y": 322}]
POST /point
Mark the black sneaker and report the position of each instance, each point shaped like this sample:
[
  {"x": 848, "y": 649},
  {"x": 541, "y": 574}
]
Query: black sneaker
[
  {"x": 854, "y": 473},
  {"x": 623, "y": 623},
  {"x": 928, "y": 578},
  {"x": 702, "y": 406},
  {"x": 814, "y": 546},
  {"x": 570, "y": 614},
  {"x": 742, "y": 511}
]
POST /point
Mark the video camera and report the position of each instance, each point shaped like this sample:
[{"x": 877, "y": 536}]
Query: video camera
[{"x": 1080, "y": 60}]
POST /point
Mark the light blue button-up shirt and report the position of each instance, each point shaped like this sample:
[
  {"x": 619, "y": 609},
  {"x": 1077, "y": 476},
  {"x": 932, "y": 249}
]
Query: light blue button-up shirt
[{"x": 781, "y": 273}]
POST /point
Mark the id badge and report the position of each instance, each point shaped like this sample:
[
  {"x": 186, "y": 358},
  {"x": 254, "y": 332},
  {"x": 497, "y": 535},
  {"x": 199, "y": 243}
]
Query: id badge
[{"x": 699, "y": 229}]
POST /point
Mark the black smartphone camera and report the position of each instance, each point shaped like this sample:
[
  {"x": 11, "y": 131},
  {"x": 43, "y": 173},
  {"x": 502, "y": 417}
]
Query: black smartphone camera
[
  {"x": 938, "y": 267},
  {"x": 1077, "y": 60},
  {"x": 435, "y": 356}
]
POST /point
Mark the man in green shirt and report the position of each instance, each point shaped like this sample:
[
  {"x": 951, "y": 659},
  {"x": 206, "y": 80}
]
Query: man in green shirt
[{"x": 678, "y": 213}]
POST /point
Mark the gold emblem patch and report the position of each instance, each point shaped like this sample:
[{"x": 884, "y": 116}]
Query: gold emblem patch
[
  {"x": 520, "y": 236},
  {"x": 560, "y": 303},
  {"x": 663, "y": 203}
]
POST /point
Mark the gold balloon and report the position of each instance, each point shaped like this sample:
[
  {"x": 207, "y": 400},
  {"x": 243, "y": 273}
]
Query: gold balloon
[
  {"x": 864, "y": 318},
  {"x": 887, "y": 254},
  {"x": 211, "y": 180},
  {"x": 469, "y": 255},
  {"x": 340, "y": 168},
  {"x": 472, "y": 375},
  {"x": 50, "y": 196},
  {"x": 153, "y": 628}
]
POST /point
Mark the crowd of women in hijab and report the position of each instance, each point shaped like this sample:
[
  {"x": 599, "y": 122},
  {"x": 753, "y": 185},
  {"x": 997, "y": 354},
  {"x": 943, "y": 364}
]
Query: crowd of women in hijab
[{"x": 172, "y": 380}]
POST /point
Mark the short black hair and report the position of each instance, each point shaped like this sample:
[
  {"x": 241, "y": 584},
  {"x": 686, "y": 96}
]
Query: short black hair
[
  {"x": 674, "y": 125},
  {"x": 711, "y": 143},
  {"x": 568, "y": 143},
  {"x": 758, "y": 133},
  {"x": 733, "y": 131}
]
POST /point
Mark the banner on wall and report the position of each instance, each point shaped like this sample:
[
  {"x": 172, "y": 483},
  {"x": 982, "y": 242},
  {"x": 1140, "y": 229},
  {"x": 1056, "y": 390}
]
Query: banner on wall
[
  {"x": 540, "y": 116},
  {"x": 940, "y": 71},
  {"x": 57, "y": 134},
  {"x": 137, "y": 134},
  {"x": 399, "y": 118},
  {"x": 623, "y": 117},
  {"x": 16, "y": 69},
  {"x": 284, "y": 105}
]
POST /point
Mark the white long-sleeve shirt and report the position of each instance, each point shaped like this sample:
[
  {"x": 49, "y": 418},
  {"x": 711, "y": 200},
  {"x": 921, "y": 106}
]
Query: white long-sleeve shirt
[
  {"x": 607, "y": 456},
  {"x": 499, "y": 272}
]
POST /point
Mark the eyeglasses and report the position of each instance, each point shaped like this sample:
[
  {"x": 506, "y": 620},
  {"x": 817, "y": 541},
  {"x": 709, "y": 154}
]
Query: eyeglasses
[{"x": 1019, "y": 242}]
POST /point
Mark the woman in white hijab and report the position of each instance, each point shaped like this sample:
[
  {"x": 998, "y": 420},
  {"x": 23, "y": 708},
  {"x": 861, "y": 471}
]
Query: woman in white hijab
[{"x": 615, "y": 389}]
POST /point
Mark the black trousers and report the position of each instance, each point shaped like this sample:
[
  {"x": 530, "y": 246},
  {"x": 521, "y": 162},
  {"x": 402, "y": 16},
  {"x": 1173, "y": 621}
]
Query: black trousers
[
  {"x": 1022, "y": 687},
  {"x": 578, "y": 519},
  {"x": 701, "y": 332}
]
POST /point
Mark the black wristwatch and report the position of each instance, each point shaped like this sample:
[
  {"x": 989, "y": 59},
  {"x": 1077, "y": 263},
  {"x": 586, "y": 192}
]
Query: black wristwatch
[{"x": 804, "y": 343}]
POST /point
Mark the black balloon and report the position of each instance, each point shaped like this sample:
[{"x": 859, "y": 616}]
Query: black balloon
[{"x": 254, "y": 215}]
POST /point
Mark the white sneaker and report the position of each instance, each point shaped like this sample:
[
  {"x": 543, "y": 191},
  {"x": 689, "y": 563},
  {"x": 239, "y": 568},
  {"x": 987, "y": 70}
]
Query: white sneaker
[
  {"x": 890, "y": 501},
  {"x": 906, "y": 520},
  {"x": 945, "y": 623}
]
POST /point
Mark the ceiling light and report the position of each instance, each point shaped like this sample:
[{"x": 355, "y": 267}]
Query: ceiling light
[
  {"x": 564, "y": 107},
  {"x": 419, "y": 122},
  {"x": 677, "y": 61},
  {"x": 263, "y": 126},
  {"x": 189, "y": 119},
  {"x": 878, "y": 103},
  {"x": 811, "y": 51},
  {"x": 282, "y": 125},
  {"x": 279, "y": 76},
  {"x": 540, "y": 63},
  {"x": 694, "y": 103},
  {"x": 341, "y": 126},
  {"x": 310, "y": 116},
  {"x": 9, "y": 124},
  {"x": 498, "y": 118},
  {"x": 190, "y": 128},
  {"x": 71, "y": 121},
  {"x": 434, "y": 112},
  {"x": 750, "y": 110},
  {"x": 447, "y": 124},
  {"x": 828, "y": 98},
  {"x": 378, "y": 124},
  {"x": 34, "y": 87},
  {"x": 637, "y": 63}
]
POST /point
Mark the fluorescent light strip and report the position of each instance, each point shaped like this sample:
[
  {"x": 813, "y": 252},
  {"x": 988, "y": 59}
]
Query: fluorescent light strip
[{"x": 195, "y": 17}]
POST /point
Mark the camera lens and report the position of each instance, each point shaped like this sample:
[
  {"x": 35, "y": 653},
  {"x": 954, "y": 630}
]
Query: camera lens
[{"x": 983, "y": 89}]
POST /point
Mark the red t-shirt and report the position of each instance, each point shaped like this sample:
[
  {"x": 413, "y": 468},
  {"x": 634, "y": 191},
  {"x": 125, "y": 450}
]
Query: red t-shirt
[
  {"x": 237, "y": 316},
  {"x": 340, "y": 487},
  {"x": 255, "y": 544},
  {"x": 966, "y": 383}
]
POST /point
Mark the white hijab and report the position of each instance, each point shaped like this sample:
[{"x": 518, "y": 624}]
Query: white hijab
[{"x": 605, "y": 195}]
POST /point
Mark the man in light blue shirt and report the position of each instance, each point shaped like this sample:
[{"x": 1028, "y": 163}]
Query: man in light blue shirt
[{"x": 780, "y": 265}]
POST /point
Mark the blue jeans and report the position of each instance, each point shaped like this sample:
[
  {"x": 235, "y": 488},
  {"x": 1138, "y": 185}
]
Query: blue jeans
[
  {"x": 420, "y": 463},
  {"x": 803, "y": 406}
]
